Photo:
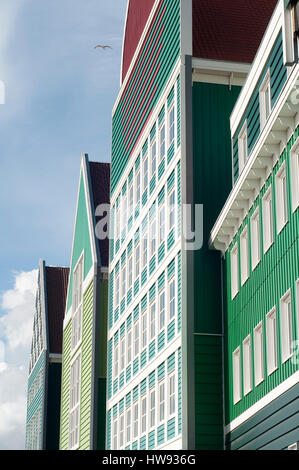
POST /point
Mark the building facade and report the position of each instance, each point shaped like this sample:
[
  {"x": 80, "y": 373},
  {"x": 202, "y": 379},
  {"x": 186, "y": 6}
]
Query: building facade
[
  {"x": 183, "y": 66},
  {"x": 257, "y": 232},
  {"x": 83, "y": 390},
  {"x": 44, "y": 381}
]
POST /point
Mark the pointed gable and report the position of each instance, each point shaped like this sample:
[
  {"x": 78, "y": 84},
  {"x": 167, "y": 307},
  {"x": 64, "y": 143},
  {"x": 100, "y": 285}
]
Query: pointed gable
[{"x": 137, "y": 16}]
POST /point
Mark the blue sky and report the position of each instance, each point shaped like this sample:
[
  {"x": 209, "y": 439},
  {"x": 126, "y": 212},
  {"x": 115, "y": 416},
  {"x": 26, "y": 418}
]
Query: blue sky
[{"x": 59, "y": 96}]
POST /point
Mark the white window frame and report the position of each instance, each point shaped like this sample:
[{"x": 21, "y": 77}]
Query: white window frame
[
  {"x": 281, "y": 197},
  {"x": 247, "y": 365},
  {"x": 171, "y": 394},
  {"x": 162, "y": 141},
  {"x": 136, "y": 338},
  {"x": 116, "y": 360},
  {"x": 243, "y": 147},
  {"x": 255, "y": 239},
  {"x": 152, "y": 320},
  {"x": 128, "y": 425},
  {"x": 115, "y": 433},
  {"x": 135, "y": 419},
  {"x": 138, "y": 187},
  {"x": 286, "y": 326},
  {"x": 171, "y": 210},
  {"x": 272, "y": 340},
  {"x": 153, "y": 157},
  {"x": 162, "y": 396},
  {"x": 153, "y": 237},
  {"x": 143, "y": 414},
  {"x": 265, "y": 99},
  {"x": 143, "y": 330},
  {"x": 234, "y": 257},
  {"x": 137, "y": 260},
  {"x": 171, "y": 124},
  {"x": 144, "y": 249},
  {"x": 145, "y": 172},
  {"x": 295, "y": 175},
  {"x": 162, "y": 224},
  {"x": 171, "y": 299},
  {"x": 129, "y": 336},
  {"x": 259, "y": 368},
  {"x": 152, "y": 408},
  {"x": 77, "y": 304},
  {"x": 122, "y": 353},
  {"x": 123, "y": 280},
  {"x": 293, "y": 446},
  {"x": 244, "y": 255},
  {"x": 131, "y": 199},
  {"x": 124, "y": 211},
  {"x": 268, "y": 228},
  {"x": 75, "y": 402},
  {"x": 122, "y": 430},
  {"x": 162, "y": 312},
  {"x": 237, "y": 378},
  {"x": 117, "y": 289},
  {"x": 130, "y": 271}
]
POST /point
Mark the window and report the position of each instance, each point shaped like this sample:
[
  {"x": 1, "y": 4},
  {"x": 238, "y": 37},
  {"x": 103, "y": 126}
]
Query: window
[
  {"x": 152, "y": 408},
  {"x": 258, "y": 354},
  {"x": 243, "y": 147},
  {"x": 117, "y": 222},
  {"x": 124, "y": 215},
  {"x": 295, "y": 175},
  {"x": 144, "y": 249},
  {"x": 137, "y": 260},
  {"x": 286, "y": 326},
  {"x": 255, "y": 238},
  {"x": 137, "y": 187},
  {"x": 162, "y": 310},
  {"x": 161, "y": 401},
  {"x": 171, "y": 125},
  {"x": 237, "y": 375},
  {"x": 144, "y": 329},
  {"x": 171, "y": 219},
  {"x": 265, "y": 99},
  {"x": 247, "y": 365},
  {"x": 268, "y": 220},
  {"x": 116, "y": 292},
  {"x": 136, "y": 338},
  {"x": 130, "y": 271},
  {"x": 115, "y": 434},
  {"x": 116, "y": 360},
  {"x": 171, "y": 299},
  {"x": 143, "y": 415},
  {"x": 122, "y": 354},
  {"x": 234, "y": 271},
  {"x": 281, "y": 198},
  {"x": 77, "y": 304},
  {"x": 162, "y": 224},
  {"x": 153, "y": 158},
  {"x": 271, "y": 341},
  {"x": 153, "y": 238},
  {"x": 135, "y": 420},
  {"x": 121, "y": 430},
  {"x": 162, "y": 141},
  {"x": 145, "y": 173},
  {"x": 244, "y": 252},
  {"x": 74, "y": 419},
  {"x": 129, "y": 346},
  {"x": 128, "y": 421},
  {"x": 123, "y": 280},
  {"x": 295, "y": 27},
  {"x": 152, "y": 320},
  {"x": 171, "y": 390},
  {"x": 131, "y": 200}
]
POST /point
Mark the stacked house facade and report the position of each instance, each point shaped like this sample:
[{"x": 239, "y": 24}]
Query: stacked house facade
[
  {"x": 44, "y": 381},
  {"x": 83, "y": 388},
  {"x": 257, "y": 232},
  {"x": 183, "y": 66}
]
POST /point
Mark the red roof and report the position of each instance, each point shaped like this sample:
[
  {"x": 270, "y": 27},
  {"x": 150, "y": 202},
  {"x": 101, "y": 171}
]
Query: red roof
[
  {"x": 56, "y": 286},
  {"x": 230, "y": 30},
  {"x": 100, "y": 183},
  {"x": 137, "y": 16}
]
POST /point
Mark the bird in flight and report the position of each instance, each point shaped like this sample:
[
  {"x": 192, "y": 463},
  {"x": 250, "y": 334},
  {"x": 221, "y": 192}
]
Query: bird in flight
[{"x": 102, "y": 47}]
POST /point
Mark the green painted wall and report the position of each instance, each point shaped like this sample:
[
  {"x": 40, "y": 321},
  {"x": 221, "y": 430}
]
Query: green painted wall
[
  {"x": 65, "y": 387},
  {"x": 81, "y": 240},
  {"x": 277, "y": 271},
  {"x": 212, "y": 106}
]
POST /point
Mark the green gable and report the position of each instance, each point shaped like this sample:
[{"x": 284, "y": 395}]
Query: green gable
[{"x": 81, "y": 239}]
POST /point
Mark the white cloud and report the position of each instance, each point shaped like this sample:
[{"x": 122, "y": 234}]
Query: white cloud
[{"x": 16, "y": 333}]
